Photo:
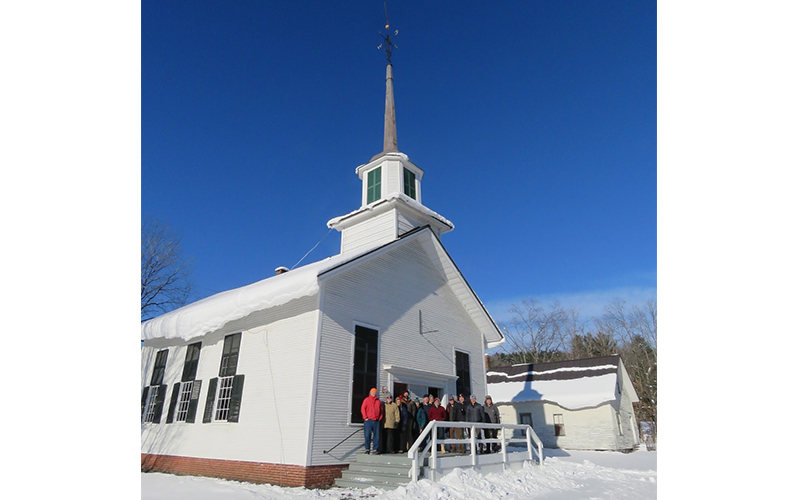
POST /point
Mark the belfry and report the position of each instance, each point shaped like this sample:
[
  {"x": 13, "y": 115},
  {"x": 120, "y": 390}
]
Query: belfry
[{"x": 391, "y": 189}]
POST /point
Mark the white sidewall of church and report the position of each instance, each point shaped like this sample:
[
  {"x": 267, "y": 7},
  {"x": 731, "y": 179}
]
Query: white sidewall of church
[{"x": 277, "y": 361}]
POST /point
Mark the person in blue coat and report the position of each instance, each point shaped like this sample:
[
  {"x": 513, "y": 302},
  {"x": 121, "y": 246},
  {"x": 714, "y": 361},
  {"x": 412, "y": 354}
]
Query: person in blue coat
[{"x": 422, "y": 420}]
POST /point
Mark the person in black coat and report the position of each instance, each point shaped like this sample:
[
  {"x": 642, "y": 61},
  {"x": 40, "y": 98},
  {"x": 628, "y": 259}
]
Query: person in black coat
[
  {"x": 474, "y": 413},
  {"x": 456, "y": 413},
  {"x": 491, "y": 416}
]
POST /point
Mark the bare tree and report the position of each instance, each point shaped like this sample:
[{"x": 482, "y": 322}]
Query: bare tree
[
  {"x": 590, "y": 346},
  {"x": 165, "y": 272},
  {"x": 635, "y": 328},
  {"x": 537, "y": 334}
]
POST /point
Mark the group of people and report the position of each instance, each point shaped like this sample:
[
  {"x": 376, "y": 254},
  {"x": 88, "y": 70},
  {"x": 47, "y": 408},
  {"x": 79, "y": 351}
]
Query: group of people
[{"x": 393, "y": 425}]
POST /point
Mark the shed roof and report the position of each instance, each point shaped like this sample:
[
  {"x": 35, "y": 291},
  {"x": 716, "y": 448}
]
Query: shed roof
[{"x": 573, "y": 384}]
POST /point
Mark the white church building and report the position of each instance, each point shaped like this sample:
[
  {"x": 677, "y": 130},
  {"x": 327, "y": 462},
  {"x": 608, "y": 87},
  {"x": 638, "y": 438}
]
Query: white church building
[{"x": 262, "y": 383}]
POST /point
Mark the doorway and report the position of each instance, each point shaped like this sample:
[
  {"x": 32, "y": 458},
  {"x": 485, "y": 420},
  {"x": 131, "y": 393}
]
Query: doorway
[{"x": 399, "y": 389}]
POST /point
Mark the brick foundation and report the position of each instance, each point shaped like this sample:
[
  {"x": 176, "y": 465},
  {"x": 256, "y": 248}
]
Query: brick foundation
[{"x": 253, "y": 472}]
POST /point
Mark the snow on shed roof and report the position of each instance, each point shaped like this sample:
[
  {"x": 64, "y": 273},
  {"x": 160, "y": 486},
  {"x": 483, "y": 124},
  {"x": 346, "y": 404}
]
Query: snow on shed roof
[{"x": 574, "y": 384}]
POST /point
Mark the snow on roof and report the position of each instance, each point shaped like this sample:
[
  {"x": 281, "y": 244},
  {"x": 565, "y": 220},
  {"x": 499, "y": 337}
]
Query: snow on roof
[
  {"x": 571, "y": 384},
  {"x": 572, "y": 394},
  {"x": 401, "y": 197},
  {"x": 212, "y": 313},
  {"x": 422, "y": 208}
]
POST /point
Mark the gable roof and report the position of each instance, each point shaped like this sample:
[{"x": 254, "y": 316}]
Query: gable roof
[
  {"x": 452, "y": 275},
  {"x": 573, "y": 384},
  {"x": 214, "y": 312}
]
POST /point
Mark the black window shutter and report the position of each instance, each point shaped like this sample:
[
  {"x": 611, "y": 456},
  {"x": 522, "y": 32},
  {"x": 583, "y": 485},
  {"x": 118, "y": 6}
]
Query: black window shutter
[
  {"x": 212, "y": 391},
  {"x": 144, "y": 398},
  {"x": 160, "y": 396},
  {"x": 236, "y": 398},
  {"x": 192, "y": 411},
  {"x": 158, "y": 370},
  {"x": 230, "y": 355},
  {"x": 173, "y": 401},
  {"x": 190, "y": 364},
  {"x": 463, "y": 383}
]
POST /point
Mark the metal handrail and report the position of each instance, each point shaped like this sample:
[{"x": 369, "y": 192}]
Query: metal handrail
[
  {"x": 414, "y": 454},
  {"x": 343, "y": 440}
]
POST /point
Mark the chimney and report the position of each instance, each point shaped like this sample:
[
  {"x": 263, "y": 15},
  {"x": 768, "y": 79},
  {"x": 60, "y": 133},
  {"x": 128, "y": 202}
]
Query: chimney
[{"x": 281, "y": 270}]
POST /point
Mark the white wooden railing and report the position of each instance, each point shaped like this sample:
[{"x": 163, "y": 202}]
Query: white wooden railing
[{"x": 504, "y": 438}]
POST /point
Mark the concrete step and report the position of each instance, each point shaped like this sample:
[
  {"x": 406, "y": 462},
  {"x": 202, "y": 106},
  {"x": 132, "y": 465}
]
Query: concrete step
[
  {"x": 345, "y": 483},
  {"x": 359, "y": 479},
  {"x": 367, "y": 467},
  {"x": 376, "y": 477},
  {"x": 384, "y": 458},
  {"x": 386, "y": 471}
]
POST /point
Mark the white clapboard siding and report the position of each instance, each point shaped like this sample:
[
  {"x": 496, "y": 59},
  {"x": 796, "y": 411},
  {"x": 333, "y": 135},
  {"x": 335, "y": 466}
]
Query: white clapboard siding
[
  {"x": 588, "y": 428},
  {"x": 585, "y": 429},
  {"x": 629, "y": 437},
  {"x": 386, "y": 291},
  {"x": 148, "y": 361},
  {"x": 275, "y": 358},
  {"x": 381, "y": 228},
  {"x": 392, "y": 178},
  {"x": 404, "y": 224}
]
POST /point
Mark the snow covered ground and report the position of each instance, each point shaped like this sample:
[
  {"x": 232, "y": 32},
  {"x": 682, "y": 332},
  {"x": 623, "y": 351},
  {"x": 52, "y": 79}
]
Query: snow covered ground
[{"x": 566, "y": 475}]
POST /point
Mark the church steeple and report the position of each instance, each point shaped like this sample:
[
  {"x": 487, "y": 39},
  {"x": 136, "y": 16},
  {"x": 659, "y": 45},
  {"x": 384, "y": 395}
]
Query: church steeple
[{"x": 391, "y": 188}]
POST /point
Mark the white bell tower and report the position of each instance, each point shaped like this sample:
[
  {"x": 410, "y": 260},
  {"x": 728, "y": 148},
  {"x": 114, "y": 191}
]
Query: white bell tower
[{"x": 391, "y": 188}]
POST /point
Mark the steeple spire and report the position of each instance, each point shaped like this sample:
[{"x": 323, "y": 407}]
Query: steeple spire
[{"x": 389, "y": 121}]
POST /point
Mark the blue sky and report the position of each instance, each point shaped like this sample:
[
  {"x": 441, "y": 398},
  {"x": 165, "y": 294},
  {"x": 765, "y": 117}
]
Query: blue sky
[
  {"x": 535, "y": 124},
  {"x": 535, "y": 127}
]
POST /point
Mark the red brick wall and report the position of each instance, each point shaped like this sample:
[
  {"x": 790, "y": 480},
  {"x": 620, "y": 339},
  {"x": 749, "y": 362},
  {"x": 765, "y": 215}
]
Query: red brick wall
[{"x": 254, "y": 472}]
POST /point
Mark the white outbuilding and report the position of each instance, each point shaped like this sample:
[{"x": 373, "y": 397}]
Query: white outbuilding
[
  {"x": 582, "y": 404},
  {"x": 264, "y": 383}
]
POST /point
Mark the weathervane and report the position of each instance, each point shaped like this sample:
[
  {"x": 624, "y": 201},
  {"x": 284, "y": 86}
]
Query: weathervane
[{"x": 387, "y": 43}]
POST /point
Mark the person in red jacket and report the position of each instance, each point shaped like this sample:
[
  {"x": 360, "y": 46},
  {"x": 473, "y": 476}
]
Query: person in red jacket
[
  {"x": 439, "y": 413},
  {"x": 372, "y": 413}
]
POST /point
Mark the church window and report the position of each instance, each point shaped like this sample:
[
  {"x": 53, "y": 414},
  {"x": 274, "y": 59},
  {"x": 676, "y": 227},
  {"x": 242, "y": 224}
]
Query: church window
[
  {"x": 374, "y": 185},
  {"x": 154, "y": 394},
  {"x": 224, "y": 398},
  {"x": 186, "y": 393},
  {"x": 409, "y": 184},
  {"x": 365, "y": 369},
  {"x": 463, "y": 384}
]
